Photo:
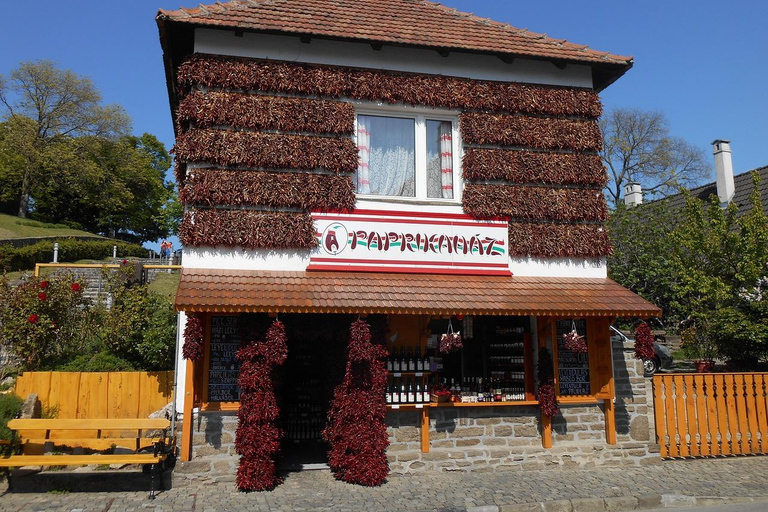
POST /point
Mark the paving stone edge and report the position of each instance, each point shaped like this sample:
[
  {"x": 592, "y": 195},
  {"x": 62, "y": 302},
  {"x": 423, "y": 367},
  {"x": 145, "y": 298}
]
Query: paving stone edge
[{"x": 618, "y": 503}]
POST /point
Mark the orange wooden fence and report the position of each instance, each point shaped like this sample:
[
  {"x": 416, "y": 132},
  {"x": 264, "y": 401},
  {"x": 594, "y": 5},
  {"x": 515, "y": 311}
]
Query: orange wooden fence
[
  {"x": 99, "y": 394},
  {"x": 705, "y": 414}
]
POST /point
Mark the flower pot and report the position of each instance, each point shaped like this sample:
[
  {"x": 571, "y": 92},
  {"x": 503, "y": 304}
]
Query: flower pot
[{"x": 704, "y": 366}]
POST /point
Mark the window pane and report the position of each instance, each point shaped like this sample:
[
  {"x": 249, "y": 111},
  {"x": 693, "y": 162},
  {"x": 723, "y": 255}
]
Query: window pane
[
  {"x": 439, "y": 160},
  {"x": 387, "y": 165}
]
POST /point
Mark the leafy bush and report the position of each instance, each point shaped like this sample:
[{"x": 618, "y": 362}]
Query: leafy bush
[
  {"x": 47, "y": 324},
  {"x": 42, "y": 320},
  {"x": 10, "y": 404},
  {"x": 70, "y": 249},
  {"x": 100, "y": 362}
]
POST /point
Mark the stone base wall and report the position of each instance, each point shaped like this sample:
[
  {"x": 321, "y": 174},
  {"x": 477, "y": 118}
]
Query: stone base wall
[{"x": 487, "y": 438}]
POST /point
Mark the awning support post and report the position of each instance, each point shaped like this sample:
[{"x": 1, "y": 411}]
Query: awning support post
[
  {"x": 425, "y": 430},
  {"x": 610, "y": 421},
  {"x": 186, "y": 424}
]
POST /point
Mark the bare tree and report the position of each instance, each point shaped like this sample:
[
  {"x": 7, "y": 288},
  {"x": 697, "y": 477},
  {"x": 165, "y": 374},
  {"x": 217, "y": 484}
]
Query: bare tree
[
  {"x": 59, "y": 104},
  {"x": 637, "y": 147}
]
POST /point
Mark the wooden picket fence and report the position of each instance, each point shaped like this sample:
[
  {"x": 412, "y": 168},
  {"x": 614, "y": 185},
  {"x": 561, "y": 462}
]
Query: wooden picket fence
[
  {"x": 99, "y": 394},
  {"x": 711, "y": 414}
]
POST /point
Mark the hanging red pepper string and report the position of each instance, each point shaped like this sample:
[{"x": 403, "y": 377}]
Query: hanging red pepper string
[
  {"x": 356, "y": 430},
  {"x": 257, "y": 439},
  {"x": 546, "y": 374},
  {"x": 193, "y": 338}
]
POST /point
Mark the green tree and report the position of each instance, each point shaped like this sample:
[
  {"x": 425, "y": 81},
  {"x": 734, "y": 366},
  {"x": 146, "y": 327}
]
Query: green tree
[
  {"x": 638, "y": 147},
  {"x": 59, "y": 104},
  {"x": 705, "y": 266},
  {"x": 114, "y": 187}
]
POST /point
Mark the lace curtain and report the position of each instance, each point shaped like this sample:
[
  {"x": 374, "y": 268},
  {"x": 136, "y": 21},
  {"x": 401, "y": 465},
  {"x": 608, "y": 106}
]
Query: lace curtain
[{"x": 386, "y": 147}]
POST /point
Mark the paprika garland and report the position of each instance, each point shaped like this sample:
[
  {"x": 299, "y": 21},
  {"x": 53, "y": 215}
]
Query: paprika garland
[
  {"x": 644, "y": 342},
  {"x": 546, "y": 374},
  {"x": 257, "y": 439},
  {"x": 356, "y": 430},
  {"x": 193, "y": 338}
]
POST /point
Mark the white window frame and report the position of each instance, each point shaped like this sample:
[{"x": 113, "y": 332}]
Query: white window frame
[{"x": 420, "y": 116}]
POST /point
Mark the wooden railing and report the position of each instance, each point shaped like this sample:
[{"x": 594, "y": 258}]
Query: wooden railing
[
  {"x": 98, "y": 394},
  {"x": 699, "y": 415}
]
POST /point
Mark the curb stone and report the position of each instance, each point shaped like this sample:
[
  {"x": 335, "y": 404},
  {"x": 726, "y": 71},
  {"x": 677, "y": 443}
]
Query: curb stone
[{"x": 617, "y": 503}]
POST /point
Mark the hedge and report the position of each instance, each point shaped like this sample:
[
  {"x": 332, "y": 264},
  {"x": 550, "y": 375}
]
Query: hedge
[{"x": 24, "y": 258}]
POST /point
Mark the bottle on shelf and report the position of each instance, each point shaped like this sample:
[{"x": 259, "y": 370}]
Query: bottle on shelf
[
  {"x": 391, "y": 361},
  {"x": 389, "y": 394},
  {"x": 411, "y": 360},
  {"x": 419, "y": 365},
  {"x": 410, "y": 392},
  {"x": 403, "y": 393}
]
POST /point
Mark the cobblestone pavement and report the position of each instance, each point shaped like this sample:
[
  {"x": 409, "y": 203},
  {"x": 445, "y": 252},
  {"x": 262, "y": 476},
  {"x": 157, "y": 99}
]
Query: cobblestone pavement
[{"x": 671, "y": 483}]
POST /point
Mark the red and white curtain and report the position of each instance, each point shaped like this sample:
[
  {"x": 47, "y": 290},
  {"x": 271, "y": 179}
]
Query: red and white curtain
[
  {"x": 364, "y": 156},
  {"x": 446, "y": 160}
]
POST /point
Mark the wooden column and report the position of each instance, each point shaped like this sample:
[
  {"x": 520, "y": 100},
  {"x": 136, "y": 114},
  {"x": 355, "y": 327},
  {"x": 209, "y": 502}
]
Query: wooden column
[
  {"x": 425, "y": 429},
  {"x": 545, "y": 328},
  {"x": 546, "y": 431},
  {"x": 189, "y": 401},
  {"x": 610, "y": 422}
]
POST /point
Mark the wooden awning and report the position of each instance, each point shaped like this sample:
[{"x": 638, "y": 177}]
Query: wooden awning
[{"x": 232, "y": 291}]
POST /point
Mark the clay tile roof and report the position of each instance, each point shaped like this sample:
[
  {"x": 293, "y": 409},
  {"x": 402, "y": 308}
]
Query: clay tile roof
[
  {"x": 402, "y": 22},
  {"x": 367, "y": 293}
]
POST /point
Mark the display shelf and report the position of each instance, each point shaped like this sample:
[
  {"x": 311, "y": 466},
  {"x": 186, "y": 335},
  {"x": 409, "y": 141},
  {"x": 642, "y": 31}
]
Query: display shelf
[
  {"x": 408, "y": 374},
  {"x": 408, "y": 407},
  {"x": 485, "y": 404}
]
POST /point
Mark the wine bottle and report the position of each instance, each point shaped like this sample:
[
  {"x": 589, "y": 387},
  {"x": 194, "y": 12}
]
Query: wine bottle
[
  {"x": 419, "y": 361},
  {"x": 403, "y": 394},
  {"x": 411, "y": 361},
  {"x": 411, "y": 397},
  {"x": 389, "y": 394},
  {"x": 390, "y": 362}
]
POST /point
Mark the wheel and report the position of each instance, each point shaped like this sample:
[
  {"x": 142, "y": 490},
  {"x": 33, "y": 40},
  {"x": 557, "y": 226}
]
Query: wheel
[{"x": 650, "y": 366}]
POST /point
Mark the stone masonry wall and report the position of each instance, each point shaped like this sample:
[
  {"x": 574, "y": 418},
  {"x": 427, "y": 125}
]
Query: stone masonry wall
[{"x": 484, "y": 439}]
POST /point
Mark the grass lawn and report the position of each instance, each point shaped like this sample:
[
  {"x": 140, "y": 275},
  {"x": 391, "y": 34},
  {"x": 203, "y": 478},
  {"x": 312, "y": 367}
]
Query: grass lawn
[
  {"x": 15, "y": 227},
  {"x": 166, "y": 284}
]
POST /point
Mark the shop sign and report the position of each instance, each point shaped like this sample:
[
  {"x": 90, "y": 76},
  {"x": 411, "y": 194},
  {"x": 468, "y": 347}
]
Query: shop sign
[{"x": 417, "y": 242}]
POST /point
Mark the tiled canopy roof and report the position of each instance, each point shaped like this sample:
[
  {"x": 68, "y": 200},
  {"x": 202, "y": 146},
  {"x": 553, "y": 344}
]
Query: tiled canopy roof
[
  {"x": 366, "y": 293},
  {"x": 402, "y": 22}
]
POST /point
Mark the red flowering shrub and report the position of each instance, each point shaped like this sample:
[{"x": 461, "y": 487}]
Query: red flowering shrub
[
  {"x": 356, "y": 430},
  {"x": 76, "y": 287},
  {"x": 644, "y": 342},
  {"x": 546, "y": 374},
  {"x": 41, "y": 328},
  {"x": 193, "y": 338},
  {"x": 257, "y": 439}
]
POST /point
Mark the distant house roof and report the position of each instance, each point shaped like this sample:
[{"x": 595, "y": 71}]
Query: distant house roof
[
  {"x": 414, "y": 23},
  {"x": 743, "y": 189}
]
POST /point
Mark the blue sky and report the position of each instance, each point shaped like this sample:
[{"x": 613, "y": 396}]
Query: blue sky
[{"x": 702, "y": 63}]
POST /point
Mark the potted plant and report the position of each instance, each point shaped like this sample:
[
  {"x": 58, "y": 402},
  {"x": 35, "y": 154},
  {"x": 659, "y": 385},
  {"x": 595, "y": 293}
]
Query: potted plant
[{"x": 700, "y": 347}]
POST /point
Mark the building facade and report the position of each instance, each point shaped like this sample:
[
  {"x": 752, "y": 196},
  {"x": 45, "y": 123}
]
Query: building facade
[{"x": 401, "y": 159}]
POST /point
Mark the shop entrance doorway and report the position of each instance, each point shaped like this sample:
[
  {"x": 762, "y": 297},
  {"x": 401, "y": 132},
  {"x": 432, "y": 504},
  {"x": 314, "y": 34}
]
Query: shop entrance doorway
[{"x": 315, "y": 366}]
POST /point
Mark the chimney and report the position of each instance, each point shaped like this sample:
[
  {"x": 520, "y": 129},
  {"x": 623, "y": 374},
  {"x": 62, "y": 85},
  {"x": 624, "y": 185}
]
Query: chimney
[
  {"x": 723, "y": 170},
  {"x": 633, "y": 194}
]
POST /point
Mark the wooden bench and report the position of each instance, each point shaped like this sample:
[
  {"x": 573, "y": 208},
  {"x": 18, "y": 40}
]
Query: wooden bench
[{"x": 65, "y": 442}]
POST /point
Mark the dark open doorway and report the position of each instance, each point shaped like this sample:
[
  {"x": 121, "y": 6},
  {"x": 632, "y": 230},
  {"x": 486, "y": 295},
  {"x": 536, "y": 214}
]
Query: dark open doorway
[{"x": 315, "y": 365}]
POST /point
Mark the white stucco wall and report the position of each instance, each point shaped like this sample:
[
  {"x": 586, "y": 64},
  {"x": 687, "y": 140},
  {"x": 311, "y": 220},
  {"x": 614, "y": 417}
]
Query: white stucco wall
[{"x": 319, "y": 51}]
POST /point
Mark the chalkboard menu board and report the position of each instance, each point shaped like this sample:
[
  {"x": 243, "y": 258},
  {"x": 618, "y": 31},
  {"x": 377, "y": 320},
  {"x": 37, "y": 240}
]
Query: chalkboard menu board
[
  {"x": 572, "y": 368},
  {"x": 224, "y": 367}
]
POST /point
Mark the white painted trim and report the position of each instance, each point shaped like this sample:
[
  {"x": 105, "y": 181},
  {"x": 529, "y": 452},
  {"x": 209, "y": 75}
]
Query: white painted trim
[{"x": 343, "y": 53}]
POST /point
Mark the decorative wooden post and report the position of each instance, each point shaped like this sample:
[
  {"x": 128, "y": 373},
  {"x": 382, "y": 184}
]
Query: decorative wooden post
[
  {"x": 189, "y": 400},
  {"x": 610, "y": 421},
  {"x": 425, "y": 429}
]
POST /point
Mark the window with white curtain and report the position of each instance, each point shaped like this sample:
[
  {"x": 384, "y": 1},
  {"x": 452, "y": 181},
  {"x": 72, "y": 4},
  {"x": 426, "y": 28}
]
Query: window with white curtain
[{"x": 407, "y": 156}]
